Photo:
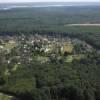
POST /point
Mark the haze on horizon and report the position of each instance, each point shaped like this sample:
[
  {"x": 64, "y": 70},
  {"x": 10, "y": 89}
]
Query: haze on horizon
[{"x": 18, "y": 1}]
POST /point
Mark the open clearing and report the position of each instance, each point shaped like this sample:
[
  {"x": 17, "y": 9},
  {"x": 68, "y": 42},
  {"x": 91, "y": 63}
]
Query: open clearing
[{"x": 82, "y": 25}]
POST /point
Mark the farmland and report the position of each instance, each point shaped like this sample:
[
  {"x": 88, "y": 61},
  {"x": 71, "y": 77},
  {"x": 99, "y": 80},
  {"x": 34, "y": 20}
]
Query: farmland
[{"x": 83, "y": 25}]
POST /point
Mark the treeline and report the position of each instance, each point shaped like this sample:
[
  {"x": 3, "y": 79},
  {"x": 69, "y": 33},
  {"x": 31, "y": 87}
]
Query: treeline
[{"x": 91, "y": 38}]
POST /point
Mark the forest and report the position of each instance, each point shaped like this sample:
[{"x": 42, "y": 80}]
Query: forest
[{"x": 42, "y": 58}]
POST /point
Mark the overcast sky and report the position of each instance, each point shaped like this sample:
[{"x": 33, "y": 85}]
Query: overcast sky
[{"x": 1, "y": 1}]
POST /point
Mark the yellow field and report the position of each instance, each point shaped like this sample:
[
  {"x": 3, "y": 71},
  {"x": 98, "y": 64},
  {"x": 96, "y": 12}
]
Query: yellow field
[
  {"x": 5, "y": 97},
  {"x": 68, "y": 47},
  {"x": 82, "y": 25},
  {"x": 70, "y": 58},
  {"x": 10, "y": 45}
]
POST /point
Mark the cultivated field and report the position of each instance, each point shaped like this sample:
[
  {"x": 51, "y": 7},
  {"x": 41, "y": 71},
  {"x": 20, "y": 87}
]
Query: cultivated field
[{"x": 83, "y": 25}]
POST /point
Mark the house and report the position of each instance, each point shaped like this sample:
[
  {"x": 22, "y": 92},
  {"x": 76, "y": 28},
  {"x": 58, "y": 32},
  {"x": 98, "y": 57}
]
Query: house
[{"x": 1, "y": 47}]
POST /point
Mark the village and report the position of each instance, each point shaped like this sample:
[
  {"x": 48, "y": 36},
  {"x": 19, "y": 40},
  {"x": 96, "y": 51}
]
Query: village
[{"x": 17, "y": 50}]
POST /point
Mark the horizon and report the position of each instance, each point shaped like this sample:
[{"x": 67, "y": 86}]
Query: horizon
[
  {"x": 54, "y": 2},
  {"x": 48, "y": 1}
]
